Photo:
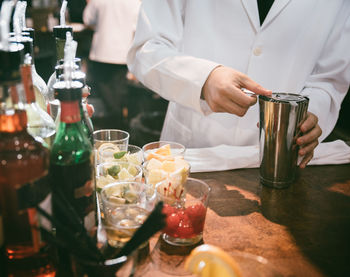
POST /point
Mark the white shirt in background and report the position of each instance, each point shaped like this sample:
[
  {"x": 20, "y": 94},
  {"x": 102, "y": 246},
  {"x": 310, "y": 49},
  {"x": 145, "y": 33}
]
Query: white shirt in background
[{"x": 114, "y": 22}]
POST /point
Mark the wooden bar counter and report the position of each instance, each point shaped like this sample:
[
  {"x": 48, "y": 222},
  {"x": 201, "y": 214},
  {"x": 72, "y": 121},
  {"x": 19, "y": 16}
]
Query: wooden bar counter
[{"x": 303, "y": 230}]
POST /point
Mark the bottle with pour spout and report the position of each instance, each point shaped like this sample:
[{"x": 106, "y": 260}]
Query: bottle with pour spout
[
  {"x": 71, "y": 164},
  {"x": 40, "y": 124},
  {"x": 23, "y": 170}
]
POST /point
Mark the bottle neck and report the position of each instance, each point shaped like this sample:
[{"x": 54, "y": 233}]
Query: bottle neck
[
  {"x": 26, "y": 73},
  {"x": 70, "y": 112}
]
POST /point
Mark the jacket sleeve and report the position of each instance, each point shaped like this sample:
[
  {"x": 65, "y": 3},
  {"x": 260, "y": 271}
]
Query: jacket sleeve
[
  {"x": 157, "y": 60},
  {"x": 327, "y": 85}
]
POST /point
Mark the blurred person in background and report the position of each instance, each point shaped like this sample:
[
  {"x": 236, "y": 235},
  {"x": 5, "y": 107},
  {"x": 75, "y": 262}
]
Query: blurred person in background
[
  {"x": 114, "y": 24},
  {"x": 200, "y": 54}
]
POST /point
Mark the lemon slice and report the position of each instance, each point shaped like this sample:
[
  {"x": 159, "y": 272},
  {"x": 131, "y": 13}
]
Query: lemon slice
[
  {"x": 106, "y": 151},
  {"x": 210, "y": 261}
]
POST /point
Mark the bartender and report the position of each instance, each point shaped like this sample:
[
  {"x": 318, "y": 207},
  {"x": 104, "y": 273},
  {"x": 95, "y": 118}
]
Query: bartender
[{"x": 198, "y": 54}]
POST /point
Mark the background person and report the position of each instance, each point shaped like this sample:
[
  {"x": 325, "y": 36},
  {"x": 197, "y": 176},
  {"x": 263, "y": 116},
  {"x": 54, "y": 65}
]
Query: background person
[{"x": 114, "y": 23}]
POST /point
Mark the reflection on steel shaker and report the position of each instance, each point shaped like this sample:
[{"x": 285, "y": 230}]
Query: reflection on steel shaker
[{"x": 281, "y": 115}]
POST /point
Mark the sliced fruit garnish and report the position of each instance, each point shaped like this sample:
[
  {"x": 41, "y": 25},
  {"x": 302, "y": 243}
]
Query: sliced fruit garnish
[
  {"x": 162, "y": 153},
  {"x": 210, "y": 261}
]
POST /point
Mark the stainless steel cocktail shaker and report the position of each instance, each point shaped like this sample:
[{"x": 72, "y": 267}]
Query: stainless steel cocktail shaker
[{"x": 281, "y": 115}]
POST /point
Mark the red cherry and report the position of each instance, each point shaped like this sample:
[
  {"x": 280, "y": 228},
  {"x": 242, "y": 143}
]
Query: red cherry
[
  {"x": 185, "y": 229},
  {"x": 172, "y": 223},
  {"x": 196, "y": 211}
]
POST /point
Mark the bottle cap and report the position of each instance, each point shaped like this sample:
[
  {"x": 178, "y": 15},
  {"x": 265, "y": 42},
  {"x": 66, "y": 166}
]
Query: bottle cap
[
  {"x": 65, "y": 93},
  {"x": 60, "y": 31},
  {"x": 10, "y": 63}
]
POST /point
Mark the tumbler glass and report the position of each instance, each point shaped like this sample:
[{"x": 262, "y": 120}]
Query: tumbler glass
[
  {"x": 108, "y": 142},
  {"x": 126, "y": 205},
  {"x": 185, "y": 208}
]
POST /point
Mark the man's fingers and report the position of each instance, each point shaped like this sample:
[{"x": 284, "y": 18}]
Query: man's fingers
[
  {"x": 306, "y": 159},
  {"x": 309, "y": 123},
  {"x": 249, "y": 84},
  {"x": 310, "y": 136},
  {"x": 308, "y": 148},
  {"x": 242, "y": 99}
]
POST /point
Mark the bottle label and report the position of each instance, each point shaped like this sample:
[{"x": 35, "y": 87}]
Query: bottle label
[
  {"x": 70, "y": 112},
  {"x": 26, "y": 73},
  {"x": 33, "y": 193},
  {"x": 74, "y": 182}
]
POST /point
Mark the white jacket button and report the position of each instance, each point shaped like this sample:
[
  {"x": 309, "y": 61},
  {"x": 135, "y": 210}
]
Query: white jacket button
[{"x": 257, "y": 51}]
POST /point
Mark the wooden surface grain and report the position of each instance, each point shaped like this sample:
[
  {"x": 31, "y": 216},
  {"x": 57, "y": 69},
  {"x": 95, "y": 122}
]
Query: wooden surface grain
[{"x": 303, "y": 230}]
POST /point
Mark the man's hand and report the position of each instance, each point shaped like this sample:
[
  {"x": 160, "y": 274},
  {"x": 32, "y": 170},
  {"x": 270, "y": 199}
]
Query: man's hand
[
  {"x": 223, "y": 91},
  {"x": 309, "y": 140}
]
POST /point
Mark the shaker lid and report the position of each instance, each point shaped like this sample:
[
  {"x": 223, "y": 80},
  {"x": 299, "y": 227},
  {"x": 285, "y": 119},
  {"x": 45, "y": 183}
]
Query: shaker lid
[
  {"x": 282, "y": 97},
  {"x": 11, "y": 60}
]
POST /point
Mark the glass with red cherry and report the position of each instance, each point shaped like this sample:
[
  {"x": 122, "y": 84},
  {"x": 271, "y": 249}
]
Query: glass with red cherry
[{"x": 185, "y": 207}]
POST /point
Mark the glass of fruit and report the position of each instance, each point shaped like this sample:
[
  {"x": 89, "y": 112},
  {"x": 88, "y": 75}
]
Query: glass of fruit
[
  {"x": 185, "y": 208},
  {"x": 163, "y": 150},
  {"x": 126, "y": 206},
  {"x": 108, "y": 142},
  {"x": 176, "y": 170},
  {"x": 115, "y": 171}
]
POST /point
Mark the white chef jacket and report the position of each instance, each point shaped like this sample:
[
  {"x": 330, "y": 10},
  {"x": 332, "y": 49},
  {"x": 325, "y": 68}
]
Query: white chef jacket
[
  {"x": 301, "y": 47},
  {"x": 114, "y": 22}
]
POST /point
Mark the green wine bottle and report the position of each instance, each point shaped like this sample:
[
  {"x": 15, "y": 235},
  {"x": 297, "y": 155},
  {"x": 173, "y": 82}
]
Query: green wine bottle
[
  {"x": 71, "y": 169},
  {"x": 71, "y": 158}
]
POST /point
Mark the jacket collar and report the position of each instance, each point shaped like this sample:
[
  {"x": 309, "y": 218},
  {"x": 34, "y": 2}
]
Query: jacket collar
[{"x": 251, "y": 8}]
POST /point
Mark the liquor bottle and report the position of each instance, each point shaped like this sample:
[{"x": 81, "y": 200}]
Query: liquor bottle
[
  {"x": 71, "y": 155},
  {"x": 71, "y": 166},
  {"x": 23, "y": 175},
  {"x": 40, "y": 123},
  {"x": 60, "y": 40}
]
